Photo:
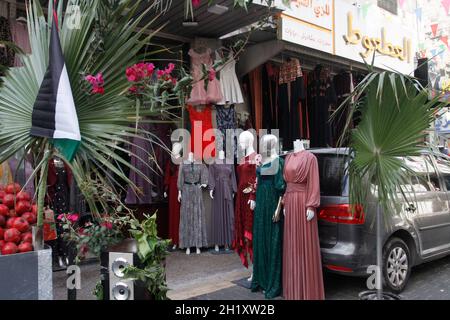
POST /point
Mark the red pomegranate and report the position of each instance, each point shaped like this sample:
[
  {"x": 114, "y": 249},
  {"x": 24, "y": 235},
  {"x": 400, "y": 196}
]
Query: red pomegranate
[
  {"x": 9, "y": 248},
  {"x": 2, "y": 221},
  {"x": 34, "y": 209},
  {"x": 25, "y": 247},
  {"x": 2, "y": 243},
  {"x": 27, "y": 237},
  {"x": 2, "y": 232},
  {"x": 8, "y": 200},
  {"x": 21, "y": 225},
  {"x": 29, "y": 217},
  {"x": 4, "y": 210},
  {"x": 22, "y": 206},
  {"x": 13, "y": 188},
  {"x": 2, "y": 194},
  {"x": 12, "y": 235},
  {"x": 23, "y": 196},
  {"x": 9, "y": 222}
]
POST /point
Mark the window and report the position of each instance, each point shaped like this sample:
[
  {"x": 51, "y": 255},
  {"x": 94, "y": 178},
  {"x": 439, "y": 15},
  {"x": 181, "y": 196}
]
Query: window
[
  {"x": 443, "y": 165},
  {"x": 388, "y": 5},
  {"x": 426, "y": 178},
  {"x": 332, "y": 174}
]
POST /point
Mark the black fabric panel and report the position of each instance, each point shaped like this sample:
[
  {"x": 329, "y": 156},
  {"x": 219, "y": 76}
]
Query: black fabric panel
[{"x": 43, "y": 117}]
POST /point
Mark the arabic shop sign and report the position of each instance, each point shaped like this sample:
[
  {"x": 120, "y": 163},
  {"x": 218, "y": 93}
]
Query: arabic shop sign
[
  {"x": 308, "y": 23},
  {"x": 359, "y": 35},
  {"x": 354, "y": 36}
]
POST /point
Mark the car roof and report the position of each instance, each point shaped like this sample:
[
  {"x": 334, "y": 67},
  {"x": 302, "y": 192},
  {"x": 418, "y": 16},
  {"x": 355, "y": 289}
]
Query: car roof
[{"x": 345, "y": 151}]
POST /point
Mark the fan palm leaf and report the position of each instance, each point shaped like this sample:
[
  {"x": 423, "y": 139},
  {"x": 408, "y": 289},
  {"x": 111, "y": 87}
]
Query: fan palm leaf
[{"x": 106, "y": 121}]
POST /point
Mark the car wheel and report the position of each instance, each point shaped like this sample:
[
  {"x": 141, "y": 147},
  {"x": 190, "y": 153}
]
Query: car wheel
[{"x": 396, "y": 265}]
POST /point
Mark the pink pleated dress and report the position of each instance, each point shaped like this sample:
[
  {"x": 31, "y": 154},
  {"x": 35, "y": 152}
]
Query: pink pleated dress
[
  {"x": 302, "y": 265},
  {"x": 199, "y": 95}
]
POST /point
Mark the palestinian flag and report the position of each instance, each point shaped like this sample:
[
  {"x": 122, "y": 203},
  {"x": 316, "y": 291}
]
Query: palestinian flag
[{"x": 54, "y": 114}]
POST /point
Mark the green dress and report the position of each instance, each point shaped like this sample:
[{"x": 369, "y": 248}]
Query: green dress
[{"x": 268, "y": 235}]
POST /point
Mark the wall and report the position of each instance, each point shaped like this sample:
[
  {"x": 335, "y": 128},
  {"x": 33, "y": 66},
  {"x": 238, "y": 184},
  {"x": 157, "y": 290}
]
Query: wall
[{"x": 434, "y": 36}]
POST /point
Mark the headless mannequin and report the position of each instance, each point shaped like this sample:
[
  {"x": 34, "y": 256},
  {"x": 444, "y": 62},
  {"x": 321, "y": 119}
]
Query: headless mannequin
[
  {"x": 211, "y": 193},
  {"x": 176, "y": 154},
  {"x": 299, "y": 147},
  {"x": 190, "y": 160},
  {"x": 246, "y": 143}
]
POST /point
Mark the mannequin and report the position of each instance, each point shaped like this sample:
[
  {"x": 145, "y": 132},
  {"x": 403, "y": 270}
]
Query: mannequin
[
  {"x": 222, "y": 183},
  {"x": 301, "y": 247},
  {"x": 246, "y": 144},
  {"x": 194, "y": 194},
  {"x": 245, "y": 199},
  {"x": 170, "y": 186},
  {"x": 267, "y": 226}
]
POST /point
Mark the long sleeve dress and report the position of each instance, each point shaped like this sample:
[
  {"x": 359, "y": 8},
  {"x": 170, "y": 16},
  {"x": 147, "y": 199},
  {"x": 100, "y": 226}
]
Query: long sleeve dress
[
  {"x": 192, "y": 214},
  {"x": 222, "y": 181},
  {"x": 267, "y": 235},
  {"x": 170, "y": 186},
  {"x": 243, "y": 215},
  {"x": 302, "y": 266}
]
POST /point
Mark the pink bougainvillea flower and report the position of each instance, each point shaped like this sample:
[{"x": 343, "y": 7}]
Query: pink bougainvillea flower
[
  {"x": 73, "y": 217},
  {"x": 97, "y": 83},
  {"x": 196, "y": 3},
  {"x": 150, "y": 68},
  {"x": 211, "y": 74},
  {"x": 132, "y": 89},
  {"x": 169, "y": 68},
  {"x": 60, "y": 216},
  {"x": 174, "y": 81},
  {"x": 160, "y": 73}
]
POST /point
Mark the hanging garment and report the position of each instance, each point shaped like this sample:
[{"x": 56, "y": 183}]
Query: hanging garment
[
  {"x": 226, "y": 120},
  {"x": 6, "y": 54},
  {"x": 267, "y": 235},
  {"x": 192, "y": 212},
  {"x": 20, "y": 37},
  {"x": 5, "y": 174},
  {"x": 141, "y": 151},
  {"x": 243, "y": 218},
  {"x": 290, "y": 71},
  {"x": 229, "y": 83},
  {"x": 161, "y": 137},
  {"x": 22, "y": 173},
  {"x": 200, "y": 95},
  {"x": 255, "y": 79},
  {"x": 201, "y": 122},
  {"x": 222, "y": 181},
  {"x": 302, "y": 266},
  {"x": 170, "y": 187}
]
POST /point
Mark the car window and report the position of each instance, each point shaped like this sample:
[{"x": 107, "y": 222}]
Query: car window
[
  {"x": 331, "y": 174},
  {"x": 443, "y": 166},
  {"x": 425, "y": 178}
]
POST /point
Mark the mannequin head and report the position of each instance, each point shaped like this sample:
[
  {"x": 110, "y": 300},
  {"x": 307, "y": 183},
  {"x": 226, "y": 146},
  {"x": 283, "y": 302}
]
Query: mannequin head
[
  {"x": 246, "y": 140},
  {"x": 298, "y": 145},
  {"x": 268, "y": 144},
  {"x": 221, "y": 155},
  {"x": 176, "y": 149}
]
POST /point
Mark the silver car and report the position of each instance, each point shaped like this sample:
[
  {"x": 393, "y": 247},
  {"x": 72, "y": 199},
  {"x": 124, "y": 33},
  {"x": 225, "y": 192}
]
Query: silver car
[{"x": 418, "y": 232}]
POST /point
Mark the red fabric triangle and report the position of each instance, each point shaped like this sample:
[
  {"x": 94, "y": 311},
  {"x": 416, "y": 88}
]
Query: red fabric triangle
[{"x": 434, "y": 28}]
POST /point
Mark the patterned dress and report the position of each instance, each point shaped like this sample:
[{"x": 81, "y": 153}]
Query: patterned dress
[
  {"x": 267, "y": 235},
  {"x": 192, "y": 214},
  {"x": 226, "y": 120}
]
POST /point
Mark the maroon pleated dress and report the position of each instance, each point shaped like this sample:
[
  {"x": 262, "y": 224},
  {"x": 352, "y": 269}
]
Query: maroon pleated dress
[
  {"x": 243, "y": 215},
  {"x": 302, "y": 266},
  {"x": 170, "y": 186}
]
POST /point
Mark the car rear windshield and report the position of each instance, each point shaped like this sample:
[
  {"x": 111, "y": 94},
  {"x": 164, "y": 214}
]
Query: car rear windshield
[{"x": 331, "y": 172}]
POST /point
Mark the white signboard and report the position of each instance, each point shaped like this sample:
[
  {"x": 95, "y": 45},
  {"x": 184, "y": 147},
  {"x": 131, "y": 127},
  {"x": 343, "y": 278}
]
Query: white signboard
[
  {"x": 316, "y": 12},
  {"x": 302, "y": 33},
  {"x": 360, "y": 34}
]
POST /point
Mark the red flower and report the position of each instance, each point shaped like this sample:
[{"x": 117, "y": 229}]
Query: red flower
[
  {"x": 60, "y": 216},
  {"x": 160, "y": 73},
  {"x": 211, "y": 74},
  {"x": 174, "y": 81},
  {"x": 73, "y": 217},
  {"x": 107, "y": 224},
  {"x": 99, "y": 90},
  {"x": 196, "y": 3}
]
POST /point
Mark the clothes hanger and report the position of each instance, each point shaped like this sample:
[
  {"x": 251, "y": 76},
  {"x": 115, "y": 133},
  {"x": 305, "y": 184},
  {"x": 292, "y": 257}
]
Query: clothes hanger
[{"x": 21, "y": 19}]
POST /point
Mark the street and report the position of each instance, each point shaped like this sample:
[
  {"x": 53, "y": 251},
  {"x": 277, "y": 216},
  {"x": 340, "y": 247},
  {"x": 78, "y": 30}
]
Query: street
[{"x": 212, "y": 276}]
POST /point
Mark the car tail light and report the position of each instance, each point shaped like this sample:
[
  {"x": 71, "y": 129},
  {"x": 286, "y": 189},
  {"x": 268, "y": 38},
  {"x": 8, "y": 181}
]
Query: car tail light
[
  {"x": 342, "y": 213},
  {"x": 338, "y": 268}
]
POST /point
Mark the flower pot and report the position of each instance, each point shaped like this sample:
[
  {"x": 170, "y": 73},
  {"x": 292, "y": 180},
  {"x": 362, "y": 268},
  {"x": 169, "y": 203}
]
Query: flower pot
[
  {"x": 373, "y": 295},
  {"x": 27, "y": 276}
]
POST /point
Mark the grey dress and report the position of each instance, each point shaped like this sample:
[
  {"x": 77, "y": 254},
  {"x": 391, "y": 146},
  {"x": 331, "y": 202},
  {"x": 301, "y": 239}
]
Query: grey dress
[
  {"x": 192, "y": 212},
  {"x": 222, "y": 180}
]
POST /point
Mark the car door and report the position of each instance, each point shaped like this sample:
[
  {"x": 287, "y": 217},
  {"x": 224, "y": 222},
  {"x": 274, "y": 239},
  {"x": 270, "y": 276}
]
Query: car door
[{"x": 431, "y": 216}]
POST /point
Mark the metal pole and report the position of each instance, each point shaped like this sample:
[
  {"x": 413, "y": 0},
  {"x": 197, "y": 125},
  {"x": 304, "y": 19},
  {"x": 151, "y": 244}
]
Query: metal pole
[{"x": 379, "y": 256}]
